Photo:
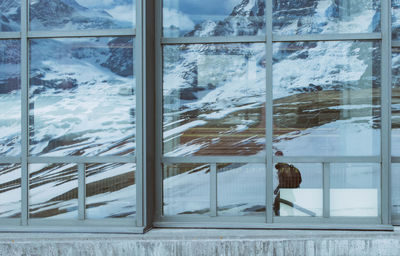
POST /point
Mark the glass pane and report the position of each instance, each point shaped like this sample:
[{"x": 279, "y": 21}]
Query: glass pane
[
  {"x": 10, "y": 97},
  {"x": 82, "y": 97},
  {"x": 241, "y": 189},
  {"x": 298, "y": 189},
  {"x": 186, "y": 189},
  {"x": 355, "y": 190},
  {"x": 328, "y": 102},
  {"x": 395, "y": 19},
  {"x": 396, "y": 102},
  {"x": 10, "y": 190},
  {"x": 395, "y": 189},
  {"x": 81, "y": 14},
  {"x": 53, "y": 191},
  {"x": 206, "y": 18},
  {"x": 10, "y": 15},
  {"x": 214, "y": 98},
  {"x": 325, "y": 16},
  {"x": 110, "y": 191}
]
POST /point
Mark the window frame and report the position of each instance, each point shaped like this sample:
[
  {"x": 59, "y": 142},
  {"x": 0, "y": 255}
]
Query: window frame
[
  {"x": 123, "y": 225},
  {"x": 382, "y": 221}
]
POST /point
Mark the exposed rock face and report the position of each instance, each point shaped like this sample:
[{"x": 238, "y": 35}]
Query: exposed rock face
[
  {"x": 58, "y": 14},
  {"x": 247, "y": 18},
  {"x": 288, "y": 11},
  {"x": 121, "y": 51},
  {"x": 9, "y": 15}
]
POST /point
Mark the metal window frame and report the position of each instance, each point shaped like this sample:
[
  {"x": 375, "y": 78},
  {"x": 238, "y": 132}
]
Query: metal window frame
[
  {"x": 383, "y": 221},
  {"x": 144, "y": 197},
  {"x": 81, "y": 224}
]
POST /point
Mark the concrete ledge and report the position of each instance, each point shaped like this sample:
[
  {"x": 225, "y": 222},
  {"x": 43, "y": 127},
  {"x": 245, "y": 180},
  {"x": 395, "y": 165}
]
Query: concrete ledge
[{"x": 205, "y": 242}]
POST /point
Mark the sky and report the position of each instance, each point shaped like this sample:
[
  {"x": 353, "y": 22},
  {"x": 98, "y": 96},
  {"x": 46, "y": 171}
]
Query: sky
[{"x": 207, "y": 7}]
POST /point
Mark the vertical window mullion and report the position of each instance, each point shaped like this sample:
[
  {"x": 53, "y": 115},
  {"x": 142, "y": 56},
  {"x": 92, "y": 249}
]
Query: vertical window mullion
[
  {"x": 159, "y": 110},
  {"x": 269, "y": 115},
  {"x": 81, "y": 191},
  {"x": 385, "y": 109},
  {"x": 24, "y": 113},
  {"x": 326, "y": 190},
  {"x": 213, "y": 190}
]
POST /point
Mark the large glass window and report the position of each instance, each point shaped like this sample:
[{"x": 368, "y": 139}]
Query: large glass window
[
  {"x": 10, "y": 98},
  {"x": 328, "y": 102},
  {"x": 81, "y": 14},
  {"x": 82, "y": 97},
  {"x": 194, "y": 18},
  {"x": 214, "y": 99},
  {"x": 68, "y": 93},
  {"x": 325, "y": 16},
  {"x": 275, "y": 126}
]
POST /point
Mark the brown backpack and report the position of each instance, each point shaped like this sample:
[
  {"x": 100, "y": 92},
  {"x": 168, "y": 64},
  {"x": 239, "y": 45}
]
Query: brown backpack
[{"x": 288, "y": 175}]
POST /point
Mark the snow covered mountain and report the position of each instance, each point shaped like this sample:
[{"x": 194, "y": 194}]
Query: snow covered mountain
[
  {"x": 82, "y": 98},
  {"x": 9, "y": 15}
]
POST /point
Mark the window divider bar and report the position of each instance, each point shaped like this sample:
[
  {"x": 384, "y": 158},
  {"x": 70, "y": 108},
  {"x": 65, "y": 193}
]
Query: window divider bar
[
  {"x": 328, "y": 159},
  {"x": 139, "y": 69},
  {"x": 10, "y": 35},
  {"x": 159, "y": 110},
  {"x": 386, "y": 87},
  {"x": 10, "y": 160},
  {"x": 327, "y": 37},
  {"x": 24, "y": 114},
  {"x": 326, "y": 190},
  {"x": 213, "y": 159},
  {"x": 269, "y": 115},
  {"x": 83, "y": 160},
  {"x": 396, "y": 44},
  {"x": 82, "y": 33},
  {"x": 214, "y": 190},
  {"x": 213, "y": 40},
  {"x": 81, "y": 191}
]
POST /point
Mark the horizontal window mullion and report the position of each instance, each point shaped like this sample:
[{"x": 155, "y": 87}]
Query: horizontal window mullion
[
  {"x": 330, "y": 159},
  {"x": 395, "y": 44},
  {"x": 327, "y": 37},
  {"x": 10, "y": 35},
  {"x": 258, "y": 159},
  {"x": 213, "y": 159},
  {"x": 213, "y": 40},
  {"x": 83, "y": 33},
  {"x": 10, "y": 160},
  {"x": 83, "y": 159},
  {"x": 395, "y": 159}
]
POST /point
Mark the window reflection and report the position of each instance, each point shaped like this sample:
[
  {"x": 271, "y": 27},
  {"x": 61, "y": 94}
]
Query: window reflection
[
  {"x": 214, "y": 99},
  {"x": 328, "y": 102}
]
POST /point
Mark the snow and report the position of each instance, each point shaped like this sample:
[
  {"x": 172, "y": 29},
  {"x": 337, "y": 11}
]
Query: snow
[{"x": 96, "y": 116}]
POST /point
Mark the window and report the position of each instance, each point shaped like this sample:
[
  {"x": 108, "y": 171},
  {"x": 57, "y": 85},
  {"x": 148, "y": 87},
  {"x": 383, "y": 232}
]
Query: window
[
  {"x": 69, "y": 88},
  {"x": 121, "y": 115},
  {"x": 250, "y": 88}
]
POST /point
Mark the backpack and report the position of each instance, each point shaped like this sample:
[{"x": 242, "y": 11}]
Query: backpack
[{"x": 288, "y": 175}]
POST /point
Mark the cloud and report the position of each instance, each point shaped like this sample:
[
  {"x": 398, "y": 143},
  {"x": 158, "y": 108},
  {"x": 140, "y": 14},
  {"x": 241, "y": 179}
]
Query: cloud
[
  {"x": 173, "y": 17},
  {"x": 203, "y": 7},
  {"x": 123, "y": 13},
  {"x": 95, "y": 3}
]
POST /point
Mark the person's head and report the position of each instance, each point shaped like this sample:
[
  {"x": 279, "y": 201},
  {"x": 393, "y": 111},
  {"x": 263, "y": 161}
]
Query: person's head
[
  {"x": 279, "y": 166},
  {"x": 278, "y": 153}
]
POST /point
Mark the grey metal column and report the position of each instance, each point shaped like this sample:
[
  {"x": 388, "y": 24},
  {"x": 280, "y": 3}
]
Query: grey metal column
[
  {"x": 81, "y": 191},
  {"x": 159, "y": 111},
  {"x": 269, "y": 114},
  {"x": 326, "y": 188},
  {"x": 213, "y": 190},
  {"x": 386, "y": 70},
  {"x": 140, "y": 129},
  {"x": 24, "y": 113}
]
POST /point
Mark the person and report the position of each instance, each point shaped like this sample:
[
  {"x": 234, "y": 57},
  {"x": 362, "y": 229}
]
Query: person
[{"x": 288, "y": 177}]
